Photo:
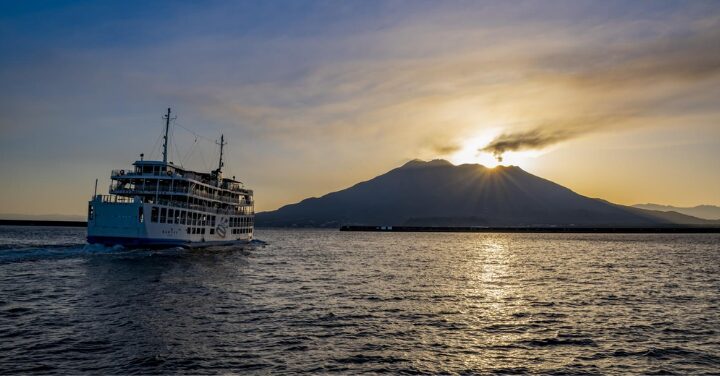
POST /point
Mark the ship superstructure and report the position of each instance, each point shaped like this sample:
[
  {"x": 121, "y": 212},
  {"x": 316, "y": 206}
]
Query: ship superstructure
[{"x": 157, "y": 203}]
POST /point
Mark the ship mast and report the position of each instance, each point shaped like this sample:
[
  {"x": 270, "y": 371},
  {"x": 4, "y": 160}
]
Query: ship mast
[
  {"x": 222, "y": 143},
  {"x": 165, "y": 137},
  {"x": 220, "y": 163}
]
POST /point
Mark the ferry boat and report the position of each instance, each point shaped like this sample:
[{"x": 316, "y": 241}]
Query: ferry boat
[{"x": 160, "y": 204}]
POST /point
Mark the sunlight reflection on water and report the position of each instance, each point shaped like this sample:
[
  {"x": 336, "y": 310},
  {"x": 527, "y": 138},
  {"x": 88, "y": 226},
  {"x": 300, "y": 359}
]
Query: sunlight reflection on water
[{"x": 326, "y": 301}]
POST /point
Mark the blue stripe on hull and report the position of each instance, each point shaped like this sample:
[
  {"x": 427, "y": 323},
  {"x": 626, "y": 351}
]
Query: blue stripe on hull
[{"x": 155, "y": 243}]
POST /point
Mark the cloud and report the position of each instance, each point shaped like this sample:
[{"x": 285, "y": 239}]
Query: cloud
[
  {"x": 307, "y": 100},
  {"x": 549, "y": 133},
  {"x": 445, "y": 149},
  {"x": 532, "y": 139},
  {"x": 624, "y": 85}
]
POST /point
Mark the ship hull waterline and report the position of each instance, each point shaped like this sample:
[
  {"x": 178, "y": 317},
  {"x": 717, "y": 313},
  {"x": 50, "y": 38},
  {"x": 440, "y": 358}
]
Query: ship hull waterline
[{"x": 132, "y": 242}]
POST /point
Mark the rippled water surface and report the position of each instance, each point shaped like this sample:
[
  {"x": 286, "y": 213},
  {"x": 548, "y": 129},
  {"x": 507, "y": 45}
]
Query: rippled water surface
[{"x": 328, "y": 301}]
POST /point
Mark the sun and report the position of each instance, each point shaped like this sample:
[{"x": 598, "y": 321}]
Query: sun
[{"x": 470, "y": 153}]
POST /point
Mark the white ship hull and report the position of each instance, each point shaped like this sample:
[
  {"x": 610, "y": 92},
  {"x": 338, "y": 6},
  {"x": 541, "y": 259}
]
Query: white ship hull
[
  {"x": 160, "y": 204},
  {"x": 127, "y": 224}
]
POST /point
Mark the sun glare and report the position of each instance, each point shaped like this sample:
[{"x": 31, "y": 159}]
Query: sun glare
[{"x": 470, "y": 153}]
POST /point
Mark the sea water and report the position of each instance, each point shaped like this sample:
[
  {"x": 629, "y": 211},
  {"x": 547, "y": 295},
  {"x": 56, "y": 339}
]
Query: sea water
[{"x": 325, "y": 301}]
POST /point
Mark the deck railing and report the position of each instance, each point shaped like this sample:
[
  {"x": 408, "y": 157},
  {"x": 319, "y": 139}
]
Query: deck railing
[
  {"x": 185, "y": 205},
  {"x": 234, "y": 187},
  {"x": 112, "y": 199},
  {"x": 115, "y": 189}
]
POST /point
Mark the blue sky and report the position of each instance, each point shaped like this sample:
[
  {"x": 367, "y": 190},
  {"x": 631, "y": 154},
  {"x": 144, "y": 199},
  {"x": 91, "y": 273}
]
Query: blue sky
[{"x": 621, "y": 97}]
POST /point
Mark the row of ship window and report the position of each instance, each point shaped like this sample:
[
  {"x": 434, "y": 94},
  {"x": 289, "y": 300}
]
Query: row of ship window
[
  {"x": 182, "y": 217},
  {"x": 201, "y": 230}
]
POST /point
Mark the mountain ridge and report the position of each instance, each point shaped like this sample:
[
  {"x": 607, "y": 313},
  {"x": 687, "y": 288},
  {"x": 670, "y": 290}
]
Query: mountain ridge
[
  {"x": 710, "y": 212},
  {"x": 436, "y": 192}
]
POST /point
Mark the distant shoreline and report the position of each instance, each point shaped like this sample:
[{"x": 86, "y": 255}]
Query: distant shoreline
[
  {"x": 577, "y": 230},
  {"x": 32, "y": 222}
]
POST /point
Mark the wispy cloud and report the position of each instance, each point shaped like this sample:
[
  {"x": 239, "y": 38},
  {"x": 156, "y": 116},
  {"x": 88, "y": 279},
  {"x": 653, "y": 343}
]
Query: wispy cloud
[
  {"x": 622, "y": 85},
  {"x": 319, "y": 88}
]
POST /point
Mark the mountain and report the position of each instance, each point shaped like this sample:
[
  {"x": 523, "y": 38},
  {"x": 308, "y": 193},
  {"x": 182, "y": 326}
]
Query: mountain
[
  {"x": 42, "y": 217},
  {"x": 438, "y": 193},
  {"x": 700, "y": 211}
]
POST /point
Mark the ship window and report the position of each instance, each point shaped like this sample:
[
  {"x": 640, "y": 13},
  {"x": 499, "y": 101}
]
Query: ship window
[
  {"x": 188, "y": 230},
  {"x": 170, "y": 215},
  {"x": 202, "y": 230},
  {"x": 91, "y": 212},
  {"x": 194, "y": 219},
  {"x": 163, "y": 215},
  {"x": 212, "y": 221},
  {"x": 154, "y": 214},
  {"x": 212, "y": 231},
  {"x": 182, "y": 217},
  {"x": 141, "y": 215}
]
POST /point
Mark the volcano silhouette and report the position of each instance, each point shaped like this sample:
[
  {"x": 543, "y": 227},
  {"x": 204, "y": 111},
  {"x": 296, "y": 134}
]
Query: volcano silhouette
[{"x": 438, "y": 193}]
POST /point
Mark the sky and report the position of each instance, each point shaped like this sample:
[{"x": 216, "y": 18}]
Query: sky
[{"x": 612, "y": 99}]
